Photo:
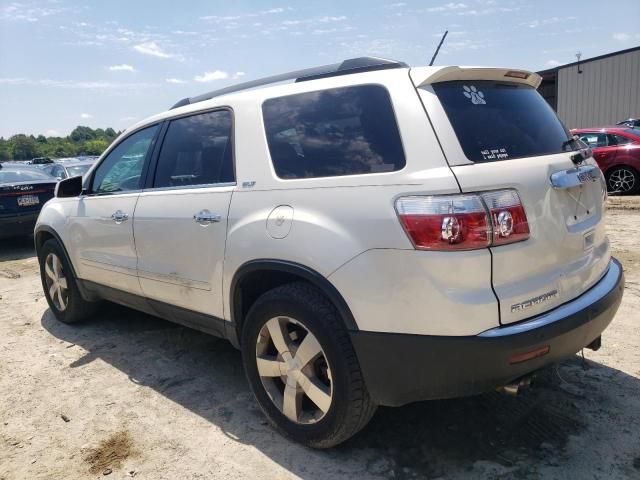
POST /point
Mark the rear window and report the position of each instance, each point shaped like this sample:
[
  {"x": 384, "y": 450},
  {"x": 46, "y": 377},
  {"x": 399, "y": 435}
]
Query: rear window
[
  {"x": 340, "y": 131},
  {"x": 78, "y": 170},
  {"x": 501, "y": 121},
  {"x": 12, "y": 176}
]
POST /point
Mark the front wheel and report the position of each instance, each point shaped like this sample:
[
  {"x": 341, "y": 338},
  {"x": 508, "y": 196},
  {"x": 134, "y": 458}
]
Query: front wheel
[
  {"x": 624, "y": 180},
  {"x": 59, "y": 285},
  {"x": 302, "y": 368}
]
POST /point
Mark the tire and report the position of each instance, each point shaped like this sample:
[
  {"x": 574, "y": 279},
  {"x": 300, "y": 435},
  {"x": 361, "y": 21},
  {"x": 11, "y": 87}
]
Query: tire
[
  {"x": 301, "y": 310},
  {"x": 624, "y": 180},
  {"x": 67, "y": 303}
]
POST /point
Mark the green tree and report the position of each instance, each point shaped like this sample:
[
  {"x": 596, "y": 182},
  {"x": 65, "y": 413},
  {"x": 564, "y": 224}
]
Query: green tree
[
  {"x": 23, "y": 147},
  {"x": 4, "y": 150},
  {"x": 93, "y": 147},
  {"x": 81, "y": 134}
]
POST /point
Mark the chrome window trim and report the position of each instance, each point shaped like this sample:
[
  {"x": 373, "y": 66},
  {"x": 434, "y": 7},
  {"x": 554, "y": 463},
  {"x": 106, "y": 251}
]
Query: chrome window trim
[{"x": 191, "y": 187}]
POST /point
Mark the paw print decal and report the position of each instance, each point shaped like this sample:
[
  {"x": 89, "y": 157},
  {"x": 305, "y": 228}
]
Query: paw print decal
[{"x": 476, "y": 96}]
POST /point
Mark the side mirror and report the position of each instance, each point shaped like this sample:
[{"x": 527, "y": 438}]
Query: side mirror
[{"x": 69, "y": 187}]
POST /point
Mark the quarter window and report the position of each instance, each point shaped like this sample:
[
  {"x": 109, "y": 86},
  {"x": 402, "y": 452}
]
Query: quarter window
[
  {"x": 121, "y": 171},
  {"x": 619, "y": 140},
  {"x": 340, "y": 131},
  {"x": 197, "y": 150}
]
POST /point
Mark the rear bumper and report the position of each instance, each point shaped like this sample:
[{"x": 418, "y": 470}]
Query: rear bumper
[
  {"x": 401, "y": 368},
  {"x": 17, "y": 225}
]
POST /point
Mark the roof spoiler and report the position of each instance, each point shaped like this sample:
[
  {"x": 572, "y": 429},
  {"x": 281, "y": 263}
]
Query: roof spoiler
[{"x": 426, "y": 75}]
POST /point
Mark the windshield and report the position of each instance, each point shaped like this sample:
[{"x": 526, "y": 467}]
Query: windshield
[
  {"x": 501, "y": 121},
  {"x": 78, "y": 170},
  {"x": 14, "y": 176}
]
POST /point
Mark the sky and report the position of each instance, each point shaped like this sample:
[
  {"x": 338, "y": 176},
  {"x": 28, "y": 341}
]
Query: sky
[{"x": 112, "y": 63}]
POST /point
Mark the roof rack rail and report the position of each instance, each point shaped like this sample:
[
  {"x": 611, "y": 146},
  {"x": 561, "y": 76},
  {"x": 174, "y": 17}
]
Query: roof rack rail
[{"x": 352, "y": 65}]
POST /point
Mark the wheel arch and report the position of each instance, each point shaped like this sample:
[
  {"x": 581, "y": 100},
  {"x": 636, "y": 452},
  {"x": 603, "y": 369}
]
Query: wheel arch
[
  {"x": 622, "y": 163},
  {"x": 44, "y": 233},
  {"x": 255, "y": 277}
]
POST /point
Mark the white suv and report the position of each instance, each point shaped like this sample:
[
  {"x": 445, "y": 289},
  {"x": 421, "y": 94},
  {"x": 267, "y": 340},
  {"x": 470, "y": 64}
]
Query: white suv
[{"x": 366, "y": 233}]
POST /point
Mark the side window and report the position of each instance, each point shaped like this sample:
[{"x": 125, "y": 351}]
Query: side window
[
  {"x": 594, "y": 140},
  {"x": 340, "y": 131},
  {"x": 196, "y": 150},
  {"x": 59, "y": 172},
  {"x": 122, "y": 169},
  {"x": 619, "y": 140}
]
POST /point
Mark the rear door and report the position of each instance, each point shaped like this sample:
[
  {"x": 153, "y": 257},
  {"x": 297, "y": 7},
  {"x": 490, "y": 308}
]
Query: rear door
[
  {"x": 181, "y": 219},
  {"x": 498, "y": 133}
]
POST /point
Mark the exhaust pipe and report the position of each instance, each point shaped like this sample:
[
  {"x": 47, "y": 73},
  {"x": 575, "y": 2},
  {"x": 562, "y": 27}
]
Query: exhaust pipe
[{"x": 516, "y": 386}]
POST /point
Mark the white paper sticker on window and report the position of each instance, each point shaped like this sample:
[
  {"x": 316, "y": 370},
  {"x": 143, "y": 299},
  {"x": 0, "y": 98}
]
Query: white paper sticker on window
[{"x": 494, "y": 154}]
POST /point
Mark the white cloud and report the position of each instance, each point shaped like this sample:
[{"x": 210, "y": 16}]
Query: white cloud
[
  {"x": 128, "y": 119},
  {"x": 18, "y": 12},
  {"x": 52, "y": 133},
  {"x": 238, "y": 75},
  {"x": 553, "y": 63},
  {"x": 233, "y": 18},
  {"x": 175, "y": 80},
  {"x": 123, "y": 67},
  {"x": 488, "y": 11},
  {"x": 626, "y": 37},
  {"x": 447, "y": 7},
  {"x": 211, "y": 76},
  {"x": 47, "y": 82},
  {"x": 86, "y": 116},
  {"x": 326, "y": 19},
  {"x": 397, "y": 5},
  {"x": 153, "y": 49}
]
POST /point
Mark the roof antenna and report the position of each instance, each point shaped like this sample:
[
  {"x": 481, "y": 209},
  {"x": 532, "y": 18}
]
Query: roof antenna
[{"x": 433, "y": 59}]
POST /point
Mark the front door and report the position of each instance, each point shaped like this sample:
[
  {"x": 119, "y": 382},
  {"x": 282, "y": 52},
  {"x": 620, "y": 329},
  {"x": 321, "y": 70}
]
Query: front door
[
  {"x": 180, "y": 222},
  {"x": 101, "y": 227}
]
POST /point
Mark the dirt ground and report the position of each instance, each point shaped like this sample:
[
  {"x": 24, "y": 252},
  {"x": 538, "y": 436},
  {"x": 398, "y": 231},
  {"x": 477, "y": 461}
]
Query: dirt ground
[{"x": 128, "y": 395}]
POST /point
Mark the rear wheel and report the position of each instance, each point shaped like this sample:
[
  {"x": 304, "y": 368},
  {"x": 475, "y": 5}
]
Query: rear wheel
[
  {"x": 302, "y": 368},
  {"x": 59, "y": 285},
  {"x": 624, "y": 180}
]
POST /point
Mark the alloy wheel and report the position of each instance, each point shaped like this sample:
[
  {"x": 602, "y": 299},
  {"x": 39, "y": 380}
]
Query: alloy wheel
[
  {"x": 56, "y": 282},
  {"x": 294, "y": 370},
  {"x": 622, "y": 180}
]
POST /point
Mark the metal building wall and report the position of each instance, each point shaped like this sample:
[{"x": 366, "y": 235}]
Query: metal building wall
[{"x": 607, "y": 91}]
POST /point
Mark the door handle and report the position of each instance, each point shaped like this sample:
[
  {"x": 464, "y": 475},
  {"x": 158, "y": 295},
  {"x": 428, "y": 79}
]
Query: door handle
[
  {"x": 119, "y": 216},
  {"x": 205, "y": 217}
]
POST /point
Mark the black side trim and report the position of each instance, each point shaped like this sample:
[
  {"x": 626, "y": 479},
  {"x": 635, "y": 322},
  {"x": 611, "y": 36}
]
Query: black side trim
[
  {"x": 313, "y": 277},
  {"x": 196, "y": 320}
]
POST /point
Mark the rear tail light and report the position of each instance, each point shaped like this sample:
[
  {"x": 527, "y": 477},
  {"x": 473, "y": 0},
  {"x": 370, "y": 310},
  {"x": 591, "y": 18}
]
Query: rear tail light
[
  {"x": 507, "y": 216},
  {"x": 463, "y": 222}
]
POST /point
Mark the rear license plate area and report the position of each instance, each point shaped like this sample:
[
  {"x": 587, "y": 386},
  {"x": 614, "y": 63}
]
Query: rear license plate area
[{"x": 28, "y": 200}]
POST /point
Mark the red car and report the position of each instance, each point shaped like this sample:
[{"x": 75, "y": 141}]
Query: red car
[{"x": 617, "y": 151}]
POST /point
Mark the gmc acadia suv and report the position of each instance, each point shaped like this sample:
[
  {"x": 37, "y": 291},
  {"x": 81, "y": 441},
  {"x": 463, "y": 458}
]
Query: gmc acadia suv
[{"x": 366, "y": 233}]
